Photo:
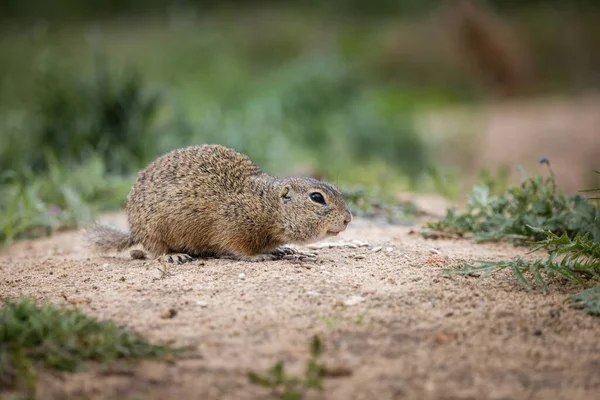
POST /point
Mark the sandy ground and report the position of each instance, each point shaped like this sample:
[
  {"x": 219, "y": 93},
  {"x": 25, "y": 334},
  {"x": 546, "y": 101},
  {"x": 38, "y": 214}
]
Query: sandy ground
[{"x": 416, "y": 334}]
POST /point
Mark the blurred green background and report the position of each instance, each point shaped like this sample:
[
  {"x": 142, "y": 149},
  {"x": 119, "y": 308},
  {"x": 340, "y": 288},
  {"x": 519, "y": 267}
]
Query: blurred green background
[{"x": 91, "y": 91}]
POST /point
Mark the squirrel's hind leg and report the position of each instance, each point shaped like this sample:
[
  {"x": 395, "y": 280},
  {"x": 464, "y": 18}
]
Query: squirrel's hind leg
[
  {"x": 176, "y": 258},
  {"x": 162, "y": 252}
]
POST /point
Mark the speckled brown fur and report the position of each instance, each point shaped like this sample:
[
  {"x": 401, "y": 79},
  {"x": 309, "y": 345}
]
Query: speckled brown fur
[{"x": 213, "y": 201}]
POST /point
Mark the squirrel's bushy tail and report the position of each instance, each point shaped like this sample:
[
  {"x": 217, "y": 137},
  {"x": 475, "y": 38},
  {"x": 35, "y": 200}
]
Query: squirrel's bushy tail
[{"x": 105, "y": 238}]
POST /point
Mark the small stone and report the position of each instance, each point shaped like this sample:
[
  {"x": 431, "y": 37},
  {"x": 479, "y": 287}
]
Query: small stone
[
  {"x": 376, "y": 249},
  {"x": 302, "y": 257},
  {"x": 106, "y": 265},
  {"x": 435, "y": 251},
  {"x": 354, "y": 300},
  {"x": 389, "y": 249},
  {"x": 335, "y": 371},
  {"x": 359, "y": 256},
  {"x": 312, "y": 293},
  {"x": 314, "y": 247},
  {"x": 441, "y": 337},
  {"x": 201, "y": 303},
  {"x": 352, "y": 245},
  {"x": 242, "y": 276},
  {"x": 170, "y": 313}
]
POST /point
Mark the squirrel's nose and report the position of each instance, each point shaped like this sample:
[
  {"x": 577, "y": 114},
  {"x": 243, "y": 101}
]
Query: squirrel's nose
[{"x": 347, "y": 218}]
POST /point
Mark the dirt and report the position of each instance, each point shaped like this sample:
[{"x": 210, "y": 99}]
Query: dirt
[{"x": 410, "y": 330}]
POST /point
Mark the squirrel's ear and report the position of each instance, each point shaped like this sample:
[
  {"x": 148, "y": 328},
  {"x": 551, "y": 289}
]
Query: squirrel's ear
[{"x": 285, "y": 194}]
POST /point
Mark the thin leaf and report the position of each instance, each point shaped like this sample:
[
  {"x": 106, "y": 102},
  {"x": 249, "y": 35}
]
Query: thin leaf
[
  {"x": 589, "y": 299},
  {"x": 534, "y": 268},
  {"x": 315, "y": 346},
  {"x": 257, "y": 379},
  {"x": 517, "y": 272}
]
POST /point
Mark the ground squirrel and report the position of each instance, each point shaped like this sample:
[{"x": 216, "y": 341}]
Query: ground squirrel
[{"x": 211, "y": 201}]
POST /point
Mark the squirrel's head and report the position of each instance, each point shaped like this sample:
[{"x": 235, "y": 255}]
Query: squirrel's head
[{"x": 311, "y": 210}]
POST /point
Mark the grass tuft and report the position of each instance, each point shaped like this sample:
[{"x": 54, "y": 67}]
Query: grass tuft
[
  {"x": 567, "y": 227},
  {"x": 34, "y": 336},
  {"x": 293, "y": 388},
  {"x": 576, "y": 260},
  {"x": 523, "y": 213}
]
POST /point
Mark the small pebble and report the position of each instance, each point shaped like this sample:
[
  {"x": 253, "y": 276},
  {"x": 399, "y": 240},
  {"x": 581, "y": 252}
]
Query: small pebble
[
  {"x": 376, "y": 249},
  {"x": 170, "y": 313},
  {"x": 435, "y": 251},
  {"x": 242, "y": 276},
  {"x": 336, "y": 371},
  {"x": 312, "y": 293},
  {"x": 201, "y": 303},
  {"x": 389, "y": 249},
  {"x": 359, "y": 256},
  {"x": 354, "y": 300},
  {"x": 302, "y": 258},
  {"x": 106, "y": 265}
]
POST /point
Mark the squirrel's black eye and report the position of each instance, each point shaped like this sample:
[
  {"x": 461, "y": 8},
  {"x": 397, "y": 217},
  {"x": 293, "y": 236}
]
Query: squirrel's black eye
[{"x": 317, "y": 198}]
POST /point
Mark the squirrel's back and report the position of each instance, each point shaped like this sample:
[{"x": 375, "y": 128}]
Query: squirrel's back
[
  {"x": 187, "y": 199},
  {"x": 193, "y": 166}
]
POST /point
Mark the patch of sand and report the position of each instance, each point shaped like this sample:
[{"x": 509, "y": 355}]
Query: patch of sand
[{"x": 413, "y": 332}]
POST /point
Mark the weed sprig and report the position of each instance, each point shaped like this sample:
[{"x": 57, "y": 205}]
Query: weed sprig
[
  {"x": 539, "y": 214},
  {"x": 523, "y": 213},
  {"x": 574, "y": 259},
  {"x": 288, "y": 387}
]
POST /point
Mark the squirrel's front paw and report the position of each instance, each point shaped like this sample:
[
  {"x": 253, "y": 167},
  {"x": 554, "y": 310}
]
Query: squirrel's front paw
[
  {"x": 290, "y": 253},
  {"x": 281, "y": 253}
]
